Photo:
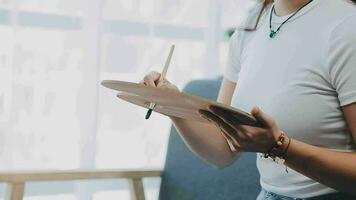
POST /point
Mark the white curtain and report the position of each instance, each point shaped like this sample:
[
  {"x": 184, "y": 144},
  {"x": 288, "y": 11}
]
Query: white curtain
[{"x": 53, "y": 55}]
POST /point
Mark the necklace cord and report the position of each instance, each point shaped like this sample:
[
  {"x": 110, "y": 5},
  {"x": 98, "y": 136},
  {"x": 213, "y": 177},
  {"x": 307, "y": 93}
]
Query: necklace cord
[{"x": 285, "y": 21}]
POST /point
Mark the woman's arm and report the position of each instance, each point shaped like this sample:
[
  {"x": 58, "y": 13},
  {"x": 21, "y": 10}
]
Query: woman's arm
[
  {"x": 331, "y": 168},
  {"x": 206, "y": 140},
  {"x": 334, "y": 169}
]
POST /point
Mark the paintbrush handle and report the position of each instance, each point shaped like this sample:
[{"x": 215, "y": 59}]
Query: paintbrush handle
[
  {"x": 161, "y": 78},
  {"x": 166, "y": 66}
]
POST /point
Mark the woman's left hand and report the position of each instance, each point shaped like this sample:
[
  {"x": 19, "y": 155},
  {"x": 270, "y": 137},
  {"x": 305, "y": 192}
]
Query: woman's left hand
[{"x": 245, "y": 138}]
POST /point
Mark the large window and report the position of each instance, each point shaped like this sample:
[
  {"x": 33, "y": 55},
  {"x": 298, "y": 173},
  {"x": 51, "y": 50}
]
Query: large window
[{"x": 53, "y": 54}]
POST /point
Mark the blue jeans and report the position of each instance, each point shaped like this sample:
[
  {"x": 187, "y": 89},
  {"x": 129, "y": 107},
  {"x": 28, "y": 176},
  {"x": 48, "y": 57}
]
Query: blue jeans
[{"x": 265, "y": 195}]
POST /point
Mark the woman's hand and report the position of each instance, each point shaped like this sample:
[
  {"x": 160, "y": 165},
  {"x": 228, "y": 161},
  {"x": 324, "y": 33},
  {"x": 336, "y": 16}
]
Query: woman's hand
[
  {"x": 245, "y": 138},
  {"x": 153, "y": 79}
]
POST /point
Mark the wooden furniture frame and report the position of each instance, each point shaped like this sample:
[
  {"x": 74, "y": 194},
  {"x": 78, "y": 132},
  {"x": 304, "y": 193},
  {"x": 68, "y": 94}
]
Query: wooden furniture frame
[{"x": 17, "y": 180}]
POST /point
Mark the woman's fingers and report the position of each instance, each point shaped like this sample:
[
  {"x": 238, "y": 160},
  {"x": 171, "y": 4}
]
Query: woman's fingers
[
  {"x": 230, "y": 138},
  {"x": 232, "y": 121},
  {"x": 226, "y": 128},
  {"x": 151, "y": 78},
  {"x": 226, "y": 116},
  {"x": 245, "y": 132},
  {"x": 217, "y": 121}
]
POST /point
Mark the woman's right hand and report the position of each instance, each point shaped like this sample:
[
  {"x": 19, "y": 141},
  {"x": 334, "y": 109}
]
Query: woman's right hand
[{"x": 153, "y": 79}]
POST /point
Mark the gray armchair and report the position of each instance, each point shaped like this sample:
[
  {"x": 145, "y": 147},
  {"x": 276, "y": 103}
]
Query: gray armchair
[{"x": 186, "y": 177}]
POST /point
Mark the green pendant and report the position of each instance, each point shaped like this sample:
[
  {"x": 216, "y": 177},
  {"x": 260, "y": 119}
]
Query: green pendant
[{"x": 273, "y": 34}]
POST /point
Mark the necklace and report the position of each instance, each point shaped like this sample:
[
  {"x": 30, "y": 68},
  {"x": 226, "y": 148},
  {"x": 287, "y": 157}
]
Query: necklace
[{"x": 273, "y": 33}]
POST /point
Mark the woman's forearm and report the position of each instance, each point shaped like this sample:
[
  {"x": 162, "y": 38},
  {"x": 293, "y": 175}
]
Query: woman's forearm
[
  {"x": 334, "y": 169},
  {"x": 206, "y": 141}
]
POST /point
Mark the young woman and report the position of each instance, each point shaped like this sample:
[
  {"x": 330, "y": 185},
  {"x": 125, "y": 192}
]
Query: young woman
[{"x": 295, "y": 60}]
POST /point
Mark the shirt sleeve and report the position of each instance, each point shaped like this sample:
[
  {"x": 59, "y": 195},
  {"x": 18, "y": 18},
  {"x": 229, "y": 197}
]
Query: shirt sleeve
[
  {"x": 236, "y": 43},
  {"x": 342, "y": 60},
  {"x": 232, "y": 68}
]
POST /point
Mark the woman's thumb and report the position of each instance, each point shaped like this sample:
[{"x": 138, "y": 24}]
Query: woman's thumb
[{"x": 262, "y": 117}]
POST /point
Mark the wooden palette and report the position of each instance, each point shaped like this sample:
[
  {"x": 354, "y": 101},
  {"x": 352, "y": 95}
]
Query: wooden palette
[{"x": 173, "y": 103}]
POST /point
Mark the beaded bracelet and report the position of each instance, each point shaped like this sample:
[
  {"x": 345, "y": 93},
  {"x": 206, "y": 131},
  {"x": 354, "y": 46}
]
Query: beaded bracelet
[
  {"x": 273, "y": 152},
  {"x": 279, "y": 144},
  {"x": 280, "y": 159}
]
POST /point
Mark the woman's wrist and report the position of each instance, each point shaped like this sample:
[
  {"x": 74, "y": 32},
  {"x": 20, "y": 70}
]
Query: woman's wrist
[
  {"x": 280, "y": 147},
  {"x": 283, "y": 150}
]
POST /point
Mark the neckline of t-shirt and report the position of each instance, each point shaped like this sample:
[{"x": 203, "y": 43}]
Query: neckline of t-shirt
[{"x": 280, "y": 19}]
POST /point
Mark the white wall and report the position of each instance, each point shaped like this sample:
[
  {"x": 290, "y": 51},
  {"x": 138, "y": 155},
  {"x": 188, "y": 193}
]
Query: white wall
[{"x": 53, "y": 55}]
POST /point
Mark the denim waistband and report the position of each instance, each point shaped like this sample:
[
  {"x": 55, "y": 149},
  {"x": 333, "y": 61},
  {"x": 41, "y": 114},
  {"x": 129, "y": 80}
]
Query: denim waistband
[{"x": 266, "y": 195}]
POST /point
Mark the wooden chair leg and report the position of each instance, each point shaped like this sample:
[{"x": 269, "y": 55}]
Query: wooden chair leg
[
  {"x": 136, "y": 189},
  {"x": 15, "y": 191}
]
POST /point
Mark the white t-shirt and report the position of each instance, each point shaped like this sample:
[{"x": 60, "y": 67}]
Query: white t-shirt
[{"x": 301, "y": 78}]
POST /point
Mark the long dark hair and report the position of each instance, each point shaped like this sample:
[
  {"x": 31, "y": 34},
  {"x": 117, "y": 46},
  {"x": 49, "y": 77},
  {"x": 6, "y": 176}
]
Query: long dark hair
[{"x": 265, "y": 4}]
